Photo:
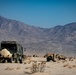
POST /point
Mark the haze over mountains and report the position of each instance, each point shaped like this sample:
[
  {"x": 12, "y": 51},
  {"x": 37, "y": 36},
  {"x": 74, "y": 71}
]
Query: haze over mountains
[{"x": 59, "y": 39}]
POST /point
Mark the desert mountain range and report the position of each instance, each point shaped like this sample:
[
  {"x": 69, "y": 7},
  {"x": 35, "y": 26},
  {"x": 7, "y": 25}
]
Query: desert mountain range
[{"x": 58, "y": 39}]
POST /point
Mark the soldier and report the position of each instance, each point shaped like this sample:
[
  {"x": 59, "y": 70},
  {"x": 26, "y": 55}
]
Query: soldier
[
  {"x": 15, "y": 58},
  {"x": 20, "y": 59}
]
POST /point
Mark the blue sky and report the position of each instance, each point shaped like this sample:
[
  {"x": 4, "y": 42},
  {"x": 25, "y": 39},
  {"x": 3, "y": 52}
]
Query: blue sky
[{"x": 40, "y": 13}]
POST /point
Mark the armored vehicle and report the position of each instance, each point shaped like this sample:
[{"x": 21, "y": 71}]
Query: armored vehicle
[{"x": 14, "y": 48}]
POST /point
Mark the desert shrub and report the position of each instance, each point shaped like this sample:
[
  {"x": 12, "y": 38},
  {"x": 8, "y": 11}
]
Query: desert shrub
[
  {"x": 74, "y": 66},
  {"x": 38, "y": 67},
  {"x": 66, "y": 65}
]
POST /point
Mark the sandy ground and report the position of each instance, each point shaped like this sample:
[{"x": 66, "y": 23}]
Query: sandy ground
[{"x": 50, "y": 68}]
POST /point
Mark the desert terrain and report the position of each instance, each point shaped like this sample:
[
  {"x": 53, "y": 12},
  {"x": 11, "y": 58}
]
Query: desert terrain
[{"x": 39, "y": 66}]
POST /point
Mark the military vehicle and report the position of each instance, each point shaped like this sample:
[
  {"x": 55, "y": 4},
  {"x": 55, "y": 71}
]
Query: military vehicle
[
  {"x": 50, "y": 56},
  {"x": 14, "y": 48}
]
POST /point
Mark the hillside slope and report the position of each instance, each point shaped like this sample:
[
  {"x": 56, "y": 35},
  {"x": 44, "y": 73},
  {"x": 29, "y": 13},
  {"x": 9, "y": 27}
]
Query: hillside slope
[{"x": 59, "y": 39}]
